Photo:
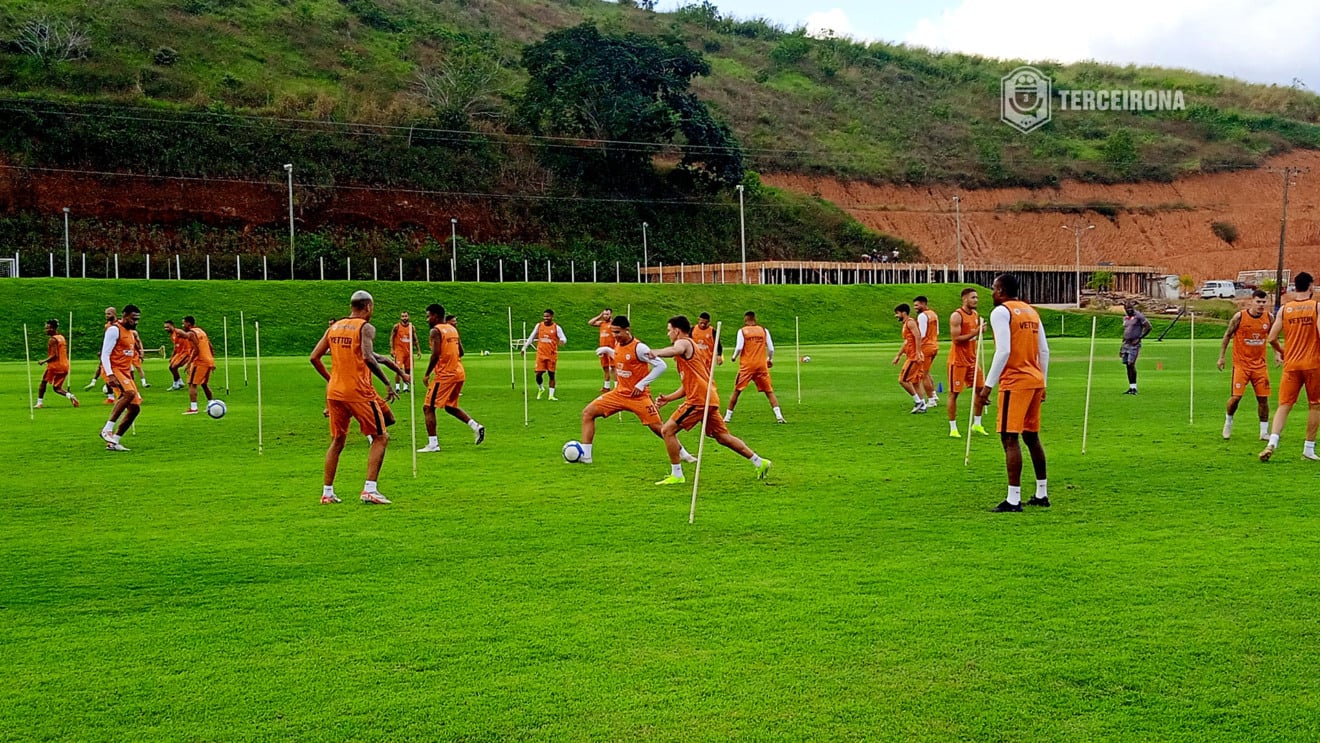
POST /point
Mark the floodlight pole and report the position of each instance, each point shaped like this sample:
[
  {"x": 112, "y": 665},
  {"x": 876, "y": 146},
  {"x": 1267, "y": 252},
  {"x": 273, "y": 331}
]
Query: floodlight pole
[
  {"x": 1077, "y": 246},
  {"x": 453, "y": 241},
  {"x": 288, "y": 168},
  {"x": 1288, "y": 174},
  {"x": 957, "y": 211},
  {"x": 646, "y": 259},
  {"x": 66, "y": 242},
  {"x": 742, "y": 232}
]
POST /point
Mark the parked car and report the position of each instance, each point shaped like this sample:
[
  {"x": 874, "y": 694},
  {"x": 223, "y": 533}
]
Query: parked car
[{"x": 1218, "y": 290}]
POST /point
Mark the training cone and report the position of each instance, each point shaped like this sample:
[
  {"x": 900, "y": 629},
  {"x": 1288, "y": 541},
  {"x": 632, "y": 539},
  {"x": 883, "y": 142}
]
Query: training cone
[
  {"x": 939, "y": 388},
  {"x": 1159, "y": 366}
]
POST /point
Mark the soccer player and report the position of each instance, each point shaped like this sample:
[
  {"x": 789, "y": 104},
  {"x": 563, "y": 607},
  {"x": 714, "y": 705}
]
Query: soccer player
[
  {"x": 964, "y": 372},
  {"x": 57, "y": 365},
  {"x": 602, "y": 323},
  {"x": 929, "y": 324},
  {"x": 203, "y": 363},
  {"x": 404, "y": 347},
  {"x": 755, "y": 354},
  {"x": 446, "y": 376},
  {"x": 1135, "y": 327},
  {"x": 694, "y": 373},
  {"x": 351, "y": 396},
  {"x": 1020, "y": 368},
  {"x": 635, "y": 368},
  {"x": 548, "y": 337},
  {"x": 1300, "y": 358},
  {"x": 909, "y": 377},
  {"x": 118, "y": 349},
  {"x": 183, "y": 349},
  {"x": 703, "y": 335},
  {"x": 1249, "y": 332},
  {"x": 111, "y": 317}
]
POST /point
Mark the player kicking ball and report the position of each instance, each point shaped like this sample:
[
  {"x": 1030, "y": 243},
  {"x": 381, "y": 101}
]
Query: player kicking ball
[{"x": 694, "y": 372}]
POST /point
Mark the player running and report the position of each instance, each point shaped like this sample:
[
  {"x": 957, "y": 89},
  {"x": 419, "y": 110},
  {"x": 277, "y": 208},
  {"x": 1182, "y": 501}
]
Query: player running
[
  {"x": 929, "y": 324},
  {"x": 703, "y": 335},
  {"x": 404, "y": 347},
  {"x": 111, "y": 317},
  {"x": 602, "y": 323},
  {"x": 964, "y": 372},
  {"x": 694, "y": 373},
  {"x": 57, "y": 365},
  {"x": 203, "y": 363},
  {"x": 548, "y": 337},
  {"x": 444, "y": 378},
  {"x": 1020, "y": 368},
  {"x": 1249, "y": 332},
  {"x": 910, "y": 376},
  {"x": 755, "y": 354},
  {"x": 118, "y": 350},
  {"x": 1300, "y": 358},
  {"x": 182, "y": 356},
  {"x": 351, "y": 396}
]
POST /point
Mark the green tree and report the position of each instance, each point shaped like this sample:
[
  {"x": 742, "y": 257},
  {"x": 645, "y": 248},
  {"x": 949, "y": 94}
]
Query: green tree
[
  {"x": 1120, "y": 151},
  {"x": 629, "y": 95}
]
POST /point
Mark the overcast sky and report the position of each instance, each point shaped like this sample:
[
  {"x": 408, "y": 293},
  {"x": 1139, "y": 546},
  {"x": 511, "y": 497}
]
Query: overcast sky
[{"x": 1261, "y": 41}]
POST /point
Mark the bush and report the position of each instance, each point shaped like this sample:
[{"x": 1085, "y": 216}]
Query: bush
[
  {"x": 1225, "y": 231},
  {"x": 790, "y": 50},
  {"x": 165, "y": 56}
]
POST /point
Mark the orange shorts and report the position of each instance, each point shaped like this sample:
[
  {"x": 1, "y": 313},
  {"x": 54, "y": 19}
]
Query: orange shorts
[
  {"x": 1257, "y": 378},
  {"x": 200, "y": 374},
  {"x": 911, "y": 372},
  {"x": 1292, "y": 382},
  {"x": 55, "y": 376},
  {"x": 546, "y": 365},
  {"x": 929, "y": 362},
  {"x": 962, "y": 377},
  {"x": 761, "y": 377},
  {"x": 688, "y": 417},
  {"x": 372, "y": 416},
  {"x": 404, "y": 360},
  {"x": 130, "y": 390},
  {"x": 179, "y": 359},
  {"x": 643, "y": 407},
  {"x": 606, "y": 361},
  {"x": 443, "y": 393},
  {"x": 1019, "y": 410}
]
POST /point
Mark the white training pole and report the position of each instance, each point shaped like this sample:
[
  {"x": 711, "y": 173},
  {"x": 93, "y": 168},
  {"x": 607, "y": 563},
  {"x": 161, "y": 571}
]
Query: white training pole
[
  {"x": 412, "y": 407},
  {"x": 1090, "y": 365},
  {"x": 524, "y": 358},
  {"x": 226, "y": 355},
  {"x": 32, "y": 413},
  {"x": 260, "y": 440},
  {"x": 513, "y": 384},
  {"x": 705, "y": 411},
  {"x": 1191, "y": 388},
  {"x": 976, "y": 391},
  {"x": 242, "y": 334},
  {"x": 797, "y": 345}
]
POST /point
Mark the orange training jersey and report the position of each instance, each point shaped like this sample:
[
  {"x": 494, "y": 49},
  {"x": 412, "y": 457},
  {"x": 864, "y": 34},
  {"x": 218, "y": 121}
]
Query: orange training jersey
[
  {"x": 964, "y": 354},
  {"x": 606, "y": 336},
  {"x": 1250, "y": 339},
  {"x": 350, "y": 378},
  {"x": 547, "y": 341},
  {"x": 403, "y": 340},
  {"x": 450, "y": 367},
  {"x": 182, "y": 346},
  {"x": 1301, "y": 345},
  {"x": 59, "y": 348},
  {"x": 931, "y": 340},
  {"x": 205, "y": 354},
  {"x": 704, "y": 340},
  {"x": 695, "y": 374},
  {"x": 753, "y": 354},
  {"x": 1022, "y": 372},
  {"x": 628, "y": 368},
  {"x": 909, "y": 341},
  {"x": 124, "y": 355}
]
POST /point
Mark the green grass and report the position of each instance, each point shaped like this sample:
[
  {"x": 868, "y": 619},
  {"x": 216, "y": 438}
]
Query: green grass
[{"x": 195, "y": 590}]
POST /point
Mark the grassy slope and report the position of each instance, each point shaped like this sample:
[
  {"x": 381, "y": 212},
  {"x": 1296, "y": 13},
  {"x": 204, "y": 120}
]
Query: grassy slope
[
  {"x": 192, "y": 590},
  {"x": 881, "y": 112},
  {"x": 294, "y": 315}
]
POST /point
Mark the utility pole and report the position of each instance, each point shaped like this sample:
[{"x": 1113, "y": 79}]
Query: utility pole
[
  {"x": 1077, "y": 245},
  {"x": 288, "y": 168},
  {"x": 1288, "y": 174},
  {"x": 957, "y": 209}
]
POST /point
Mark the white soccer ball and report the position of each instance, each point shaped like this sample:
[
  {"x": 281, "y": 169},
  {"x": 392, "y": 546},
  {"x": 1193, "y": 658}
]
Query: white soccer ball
[
  {"x": 216, "y": 409},
  {"x": 485, "y": 352},
  {"x": 806, "y": 359},
  {"x": 573, "y": 451}
]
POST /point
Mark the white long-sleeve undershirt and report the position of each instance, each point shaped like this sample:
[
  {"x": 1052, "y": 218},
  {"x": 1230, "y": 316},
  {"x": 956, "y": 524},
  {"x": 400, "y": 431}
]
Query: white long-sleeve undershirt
[
  {"x": 1000, "y": 323},
  {"x": 108, "y": 346},
  {"x": 657, "y": 364},
  {"x": 769, "y": 346},
  {"x": 922, "y": 322},
  {"x": 531, "y": 339}
]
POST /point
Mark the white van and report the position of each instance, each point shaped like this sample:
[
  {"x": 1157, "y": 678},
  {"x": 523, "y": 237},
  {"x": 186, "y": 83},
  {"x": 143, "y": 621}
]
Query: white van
[{"x": 1218, "y": 290}]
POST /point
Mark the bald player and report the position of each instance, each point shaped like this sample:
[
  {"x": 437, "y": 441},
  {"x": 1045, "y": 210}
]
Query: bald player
[
  {"x": 111, "y": 317},
  {"x": 444, "y": 378},
  {"x": 606, "y": 340},
  {"x": 755, "y": 354},
  {"x": 910, "y": 376},
  {"x": 964, "y": 372},
  {"x": 118, "y": 351},
  {"x": 694, "y": 373},
  {"x": 1300, "y": 357},
  {"x": 548, "y": 337},
  {"x": 1249, "y": 331},
  {"x": 57, "y": 365},
  {"x": 929, "y": 324},
  {"x": 404, "y": 347},
  {"x": 350, "y": 395},
  {"x": 1020, "y": 368},
  {"x": 183, "y": 349},
  {"x": 203, "y": 363}
]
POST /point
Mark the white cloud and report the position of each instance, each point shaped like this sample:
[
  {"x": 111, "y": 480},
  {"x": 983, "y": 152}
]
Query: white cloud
[
  {"x": 1259, "y": 40},
  {"x": 830, "y": 22}
]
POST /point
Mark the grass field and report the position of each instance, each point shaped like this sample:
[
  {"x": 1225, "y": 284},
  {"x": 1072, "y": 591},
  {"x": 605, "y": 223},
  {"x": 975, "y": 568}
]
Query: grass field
[{"x": 194, "y": 590}]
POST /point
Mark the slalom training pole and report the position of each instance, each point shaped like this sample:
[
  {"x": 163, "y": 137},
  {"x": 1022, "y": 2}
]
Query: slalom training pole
[
  {"x": 412, "y": 407},
  {"x": 976, "y": 391},
  {"x": 226, "y": 355},
  {"x": 260, "y": 439},
  {"x": 1191, "y": 388},
  {"x": 797, "y": 344},
  {"x": 1090, "y": 366},
  {"x": 524, "y": 358},
  {"x": 513, "y": 385},
  {"x": 705, "y": 413},
  {"x": 242, "y": 332},
  {"x": 27, "y": 354}
]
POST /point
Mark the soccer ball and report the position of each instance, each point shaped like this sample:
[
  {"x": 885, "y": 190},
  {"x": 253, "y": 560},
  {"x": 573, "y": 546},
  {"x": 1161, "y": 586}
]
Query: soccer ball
[
  {"x": 216, "y": 409},
  {"x": 573, "y": 451},
  {"x": 806, "y": 359},
  {"x": 485, "y": 352}
]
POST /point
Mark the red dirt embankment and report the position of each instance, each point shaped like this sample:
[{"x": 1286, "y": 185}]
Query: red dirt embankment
[{"x": 1160, "y": 224}]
